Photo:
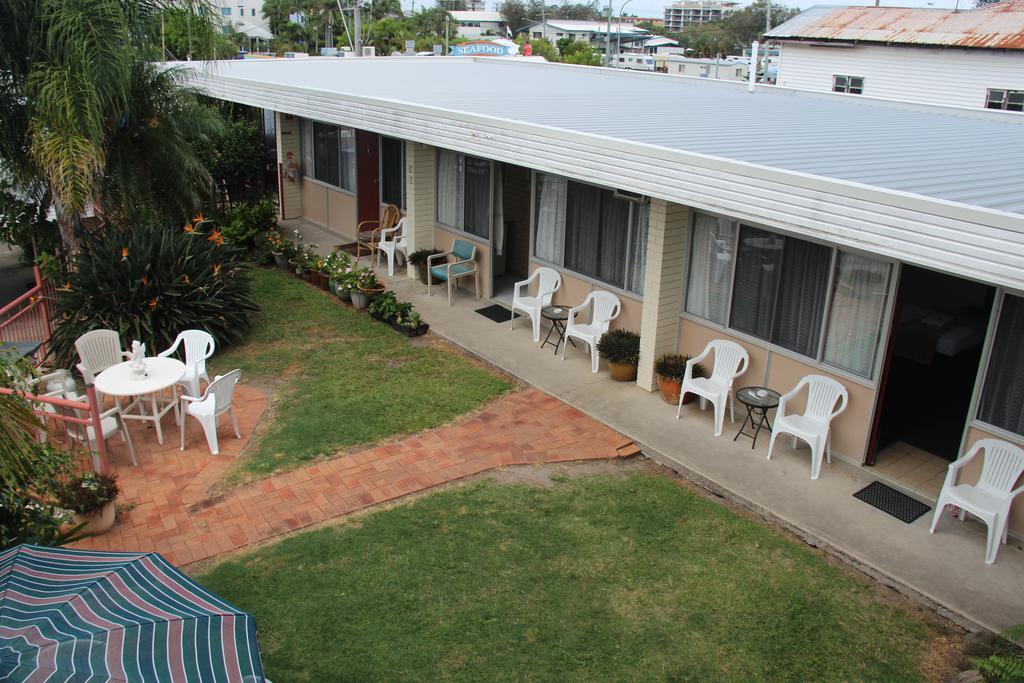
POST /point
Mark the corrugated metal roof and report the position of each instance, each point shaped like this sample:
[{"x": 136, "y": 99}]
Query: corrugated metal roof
[
  {"x": 580, "y": 26},
  {"x": 997, "y": 26},
  {"x": 966, "y": 156}
]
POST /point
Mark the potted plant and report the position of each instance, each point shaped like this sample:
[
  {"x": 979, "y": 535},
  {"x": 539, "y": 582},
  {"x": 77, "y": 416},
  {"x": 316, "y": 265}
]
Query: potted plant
[
  {"x": 409, "y": 322},
  {"x": 367, "y": 287},
  {"x": 335, "y": 265},
  {"x": 384, "y": 306},
  {"x": 91, "y": 498},
  {"x": 621, "y": 348},
  {"x": 280, "y": 248},
  {"x": 670, "y": 369},
  {"x": 418, "y": 259},
  {"x": 346, "y": 277}
]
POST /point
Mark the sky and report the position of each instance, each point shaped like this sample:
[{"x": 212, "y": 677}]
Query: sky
[{"x": 656, "y": 8}]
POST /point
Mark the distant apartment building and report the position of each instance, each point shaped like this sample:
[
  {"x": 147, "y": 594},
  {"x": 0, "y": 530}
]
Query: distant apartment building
[
  {"x": 968, "y": 58},
  {"x": 475, "y": 6},
  {"x": 242, "y": 11},
  {"x": 680, "y": 15},
  {"x": 475, "y": 23}
]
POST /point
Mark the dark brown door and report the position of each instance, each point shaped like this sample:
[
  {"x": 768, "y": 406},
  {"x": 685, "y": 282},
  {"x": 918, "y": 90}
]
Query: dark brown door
[{"x": 368, "y": 175}]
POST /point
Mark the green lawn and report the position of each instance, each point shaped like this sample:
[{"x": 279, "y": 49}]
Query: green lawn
[
  {"x": 342, "y": 379},
  {"x": 598, "y": 578}
]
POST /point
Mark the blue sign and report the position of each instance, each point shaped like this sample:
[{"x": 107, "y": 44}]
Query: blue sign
[{"x": 492, "y": 49}]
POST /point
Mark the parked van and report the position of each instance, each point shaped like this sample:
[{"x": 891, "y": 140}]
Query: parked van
[{"x": 637, "y": 62}]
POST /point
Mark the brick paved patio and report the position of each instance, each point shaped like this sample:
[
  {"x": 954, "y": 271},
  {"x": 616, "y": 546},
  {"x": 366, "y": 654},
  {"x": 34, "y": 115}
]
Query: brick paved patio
[{"x": 174, "y": 514}]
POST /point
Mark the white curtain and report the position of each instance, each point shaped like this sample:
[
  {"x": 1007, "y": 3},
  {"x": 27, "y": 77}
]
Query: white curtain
[
  {"x": 347, "y": 145},
  {"x": 449, "y": 189},
  {"x": 638, "y": 249},
  {"x": 551, "y": 194},
  {"x": 307, "y": 147},
  {"x": 711, "y": 257},
  {"x": 498, "y": 222},
  {"x": 1002, "y": 396},
  {"x": 855, "y": 319}
]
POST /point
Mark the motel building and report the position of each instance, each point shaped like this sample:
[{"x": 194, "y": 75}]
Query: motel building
[{"x": 877, "y": 242}]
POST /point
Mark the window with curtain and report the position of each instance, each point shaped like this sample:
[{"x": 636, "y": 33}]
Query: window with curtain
[
  {"x": 329, "y": 154},
  {"x": 590, "y": 231},
  {"x": 859, "y": 295},
  {"x": 711, "y": 262},
  {"x": 1002, "y": 394},
  {"x": 392, "y": 172},
  {"x": 778, "y": 290},
  {"x": 464, "y": 193}
]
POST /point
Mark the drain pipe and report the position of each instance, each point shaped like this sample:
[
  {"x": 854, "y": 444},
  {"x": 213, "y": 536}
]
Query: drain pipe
[{"x": 752, "y": 73}]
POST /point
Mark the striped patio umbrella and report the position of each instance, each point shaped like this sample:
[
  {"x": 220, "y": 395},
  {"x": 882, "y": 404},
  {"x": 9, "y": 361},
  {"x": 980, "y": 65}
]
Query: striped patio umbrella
[{"x": 74, "y": 615}]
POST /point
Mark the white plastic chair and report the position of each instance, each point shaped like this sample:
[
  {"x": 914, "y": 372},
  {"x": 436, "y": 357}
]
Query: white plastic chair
[
  {"x": 212, "y": 404},
  {"x": 393, "y": 240},
  {"x": 813, "y": 426},
  {"x": 606, "y": 309},
  {"x": 991, "y": 497},
  {"x": 199, "y": 346},
  {"x": 97, "y": 351},
  {"x": 731, "y": 361},
  {"x": 549, "y": 282},
  {"x": 111, "y": 423}
]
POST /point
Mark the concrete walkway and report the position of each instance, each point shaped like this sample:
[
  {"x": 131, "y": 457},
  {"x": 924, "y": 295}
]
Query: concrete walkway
[{"x": 945, "y": 571}]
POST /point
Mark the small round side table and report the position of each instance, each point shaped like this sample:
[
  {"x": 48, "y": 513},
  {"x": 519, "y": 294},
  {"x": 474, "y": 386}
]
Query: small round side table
[{"x": 758, "y": 401}]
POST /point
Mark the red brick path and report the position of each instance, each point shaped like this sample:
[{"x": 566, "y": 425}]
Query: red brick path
[{"x": 175, "y": 515}]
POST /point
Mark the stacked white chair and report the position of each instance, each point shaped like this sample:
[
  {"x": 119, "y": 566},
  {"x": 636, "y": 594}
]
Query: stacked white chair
[
  {"x": 214, "y": 402},
  {"x": 548, "y": 281},
  {"x": 199, "y": 346},
  {"x": 97, "y": 351},
  {"x": 730, "y": 361},
  {"x": 823, "y": 393},
  {"x": 989, "y": 499},
  {"x": 393, "y": 240},
  {"x": 606, "y": 307}
]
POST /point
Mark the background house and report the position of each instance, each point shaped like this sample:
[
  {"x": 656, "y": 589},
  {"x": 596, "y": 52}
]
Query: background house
[
  {"x": 623, "y": 34},
  {"x": 969, "y": 58},
  {"x": 476, "y": 23}
]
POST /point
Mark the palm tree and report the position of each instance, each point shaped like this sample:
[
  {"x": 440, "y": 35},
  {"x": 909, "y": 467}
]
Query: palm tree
[{"x": 69, "y": 77}]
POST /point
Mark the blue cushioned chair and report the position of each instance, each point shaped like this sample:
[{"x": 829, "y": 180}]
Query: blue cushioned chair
[{"x": 464, "y": 264}]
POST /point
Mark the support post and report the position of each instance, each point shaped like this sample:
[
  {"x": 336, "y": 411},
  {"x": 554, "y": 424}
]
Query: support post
[
  {"x": 289, "y": 165},
  {"x": 664, "y": 273},
  {"x": 419, "y": 196}
]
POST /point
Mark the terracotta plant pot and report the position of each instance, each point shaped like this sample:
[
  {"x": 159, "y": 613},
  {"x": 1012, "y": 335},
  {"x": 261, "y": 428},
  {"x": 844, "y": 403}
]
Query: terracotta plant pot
[
  {"x": 670, "y": 388},
  {"x": 325, "y": 281},
  {"x": 334, "y": 287},
  {"x": 99, "y": 522},
  {"x": 622, "y": 372}
]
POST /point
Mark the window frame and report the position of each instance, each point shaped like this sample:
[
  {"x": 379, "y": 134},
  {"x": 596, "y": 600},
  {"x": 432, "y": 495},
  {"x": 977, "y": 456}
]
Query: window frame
[
  {"x": 1005, "y": 100},
  {"x": 380, "y": 170},
  {"x": 461, "y": 160},
  {"x": 634, "y": 210},
  {"x": 308, "y": 157},
  {"x": 818, "y": 361},
  {"x": 974, "y": 421},
  {"x": 848, "y": 88}
]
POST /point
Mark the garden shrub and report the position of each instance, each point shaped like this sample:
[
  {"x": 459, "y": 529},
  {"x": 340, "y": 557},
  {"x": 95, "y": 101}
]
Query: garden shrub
[
  {"x": 152, "y": 282},
  {"x": 242, "y": 223}
]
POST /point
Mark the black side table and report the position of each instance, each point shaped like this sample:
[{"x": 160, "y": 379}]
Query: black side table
[
  {"x": 557, "y": 315},
  {"x": 758, "y": 401}
]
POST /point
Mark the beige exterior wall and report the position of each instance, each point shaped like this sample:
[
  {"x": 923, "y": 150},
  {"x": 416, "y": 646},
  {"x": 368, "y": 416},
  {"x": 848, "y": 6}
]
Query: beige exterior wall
[
  {"x": 970, "y": 474},
  {"x": 575, "y": 289},
  {"x": 419, "y": 196},
  {"x": 341, "y": 213},
  {"x": 668, "y": 236},
  {"x": 314, "y": 202},
  {"x": 289, "y": 149}
]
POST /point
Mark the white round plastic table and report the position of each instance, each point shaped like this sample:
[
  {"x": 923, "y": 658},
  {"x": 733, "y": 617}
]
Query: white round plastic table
[{"x": 117, "y": 381}]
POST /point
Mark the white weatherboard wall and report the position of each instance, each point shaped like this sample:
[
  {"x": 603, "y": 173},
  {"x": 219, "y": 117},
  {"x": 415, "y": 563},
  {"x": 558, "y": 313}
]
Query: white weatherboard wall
[{"x": 950, "y": 76}]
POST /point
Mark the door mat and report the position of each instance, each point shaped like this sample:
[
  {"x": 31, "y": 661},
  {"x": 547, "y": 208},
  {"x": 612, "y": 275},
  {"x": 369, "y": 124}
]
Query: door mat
[
  {"x": 496, "y": 312},
  {"x": 893, "y": 502},
  {"x": 350, "y": 248}
]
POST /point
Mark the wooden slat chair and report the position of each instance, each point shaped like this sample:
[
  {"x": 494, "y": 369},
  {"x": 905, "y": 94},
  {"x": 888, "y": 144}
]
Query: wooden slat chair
[
  {"x": 368, "y": 232},
  {"x": 464, "y": 264}
]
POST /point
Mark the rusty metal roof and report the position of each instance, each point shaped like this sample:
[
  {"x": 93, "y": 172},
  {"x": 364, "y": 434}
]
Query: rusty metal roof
[{"x": 999, "y": 26}]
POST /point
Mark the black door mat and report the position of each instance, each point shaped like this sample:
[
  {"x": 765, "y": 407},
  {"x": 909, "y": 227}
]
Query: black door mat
[
  {"x": 496, "y": 312},
  {"x": 893, "y": 502}
]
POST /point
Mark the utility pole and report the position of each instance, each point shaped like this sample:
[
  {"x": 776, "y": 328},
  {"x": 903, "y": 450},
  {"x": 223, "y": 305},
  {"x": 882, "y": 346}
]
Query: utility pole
[
  {"x": 358, "y": 23},
  {"x": 767, "y": 28},
  {"x": 608, "y": 42},
  {"x": 189, "y": 20}
]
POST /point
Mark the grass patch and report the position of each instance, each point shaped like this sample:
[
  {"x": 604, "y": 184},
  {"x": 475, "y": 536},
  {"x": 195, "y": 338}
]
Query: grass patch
[
  {"x": 598, "y": 578},
  {"x": 342, "y": 379}
]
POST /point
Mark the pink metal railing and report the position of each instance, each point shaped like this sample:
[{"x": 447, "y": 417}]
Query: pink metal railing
[
  {"x": 27, "y": 318},
  {"x": 90, "y": 408}
]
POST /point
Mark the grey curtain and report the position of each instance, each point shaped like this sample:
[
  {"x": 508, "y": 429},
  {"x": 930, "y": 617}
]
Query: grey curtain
[
  {"x": 758, "y": 266},
  {"x": 1002, "y": 397},
  {"x": 803, "y": 291},
  {"x": 611, "y": 255},
  {"x": 582, "y": 227}
]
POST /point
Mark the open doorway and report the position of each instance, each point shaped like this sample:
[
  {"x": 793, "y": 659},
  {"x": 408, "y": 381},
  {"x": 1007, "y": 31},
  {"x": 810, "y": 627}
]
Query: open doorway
[
  {"x": 510, "y": 248},
  {"x": 938, "y": 334}
]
